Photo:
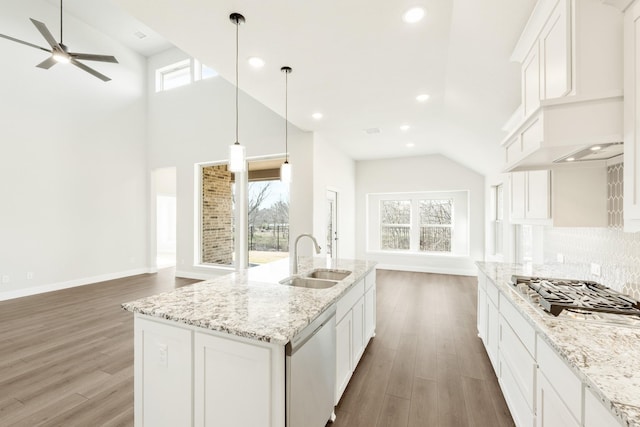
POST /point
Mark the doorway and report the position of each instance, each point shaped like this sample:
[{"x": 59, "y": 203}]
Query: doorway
[
  {"x": 165, "y": 230},
  {"x": 332, "y": 224}
]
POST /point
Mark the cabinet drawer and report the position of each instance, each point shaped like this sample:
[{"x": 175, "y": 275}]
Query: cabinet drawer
[
  {"x": 349, "y": 299},
  {"x": 562, "y": 378},
  {"x": 522, "y": 415},
  {"x": 520, "y": 362},
  {"x": 596, "y": 414},
  {"x": 492, "y": 292},
  {"x": 520, "y": 326}
]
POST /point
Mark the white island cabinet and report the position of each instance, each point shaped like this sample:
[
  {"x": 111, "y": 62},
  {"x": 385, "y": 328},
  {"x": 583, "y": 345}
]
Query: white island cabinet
[{"x": 225, "y": 351}]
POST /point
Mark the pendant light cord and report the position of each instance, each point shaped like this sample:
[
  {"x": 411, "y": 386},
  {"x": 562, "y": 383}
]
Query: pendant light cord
[
  {"x": 60, "y": 21},
  {"x": 286, "y": 116},
  {"x": 237, "y": 35}
]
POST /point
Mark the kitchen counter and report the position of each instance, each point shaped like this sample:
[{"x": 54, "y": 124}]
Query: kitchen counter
[
  {"x": 251, "y": 303},
  {"x": 604, "y": 356}
]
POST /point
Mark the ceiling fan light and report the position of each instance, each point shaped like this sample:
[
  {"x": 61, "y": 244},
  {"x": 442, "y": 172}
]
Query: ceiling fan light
[
  {"x": 285, "y": 173},
  {"x": 237, "y": 158},
  {"x": 61, "y": 57}
]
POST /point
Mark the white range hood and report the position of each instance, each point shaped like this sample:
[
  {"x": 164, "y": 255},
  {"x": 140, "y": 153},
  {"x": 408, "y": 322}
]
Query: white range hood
[{"x": 566, "y": 128}]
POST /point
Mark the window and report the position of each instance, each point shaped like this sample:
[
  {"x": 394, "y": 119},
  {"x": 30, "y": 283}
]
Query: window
[
  {"x": 173, "y": 76},
  {"x": 420, "y": 223},
  {"x": 497, "y": 216},
  {"x": 395, "y": 224},
  {"x": 435, "y": 225},
  {"x": 182, "y": 73}
]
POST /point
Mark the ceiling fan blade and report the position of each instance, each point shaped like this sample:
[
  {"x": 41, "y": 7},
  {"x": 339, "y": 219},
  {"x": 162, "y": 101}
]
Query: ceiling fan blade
[
  {"x": 46, "y": 33},
  {"x": 47, "y": 63},
  {"x": 23, "y": 42},
  {"x": 90, "y": 70},
  {"x": 92, "y": 57}
]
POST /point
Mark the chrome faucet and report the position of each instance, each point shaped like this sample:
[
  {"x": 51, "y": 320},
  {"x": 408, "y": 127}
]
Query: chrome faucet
[{"x": 294, "y": 267}]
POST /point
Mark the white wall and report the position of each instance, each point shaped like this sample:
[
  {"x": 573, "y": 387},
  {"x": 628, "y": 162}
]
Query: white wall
[
  {"x": 333, "y": 170},
  {"x": 73, "y": 187},
  {"x": 196, "y": 124},
  {"x": 417, "y": 174}
]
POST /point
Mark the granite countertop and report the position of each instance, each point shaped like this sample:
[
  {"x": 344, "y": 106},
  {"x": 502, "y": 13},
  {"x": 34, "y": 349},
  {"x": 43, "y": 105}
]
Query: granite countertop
[
  {"x": 252, "y": 303},
  {"x": 606, "y": 357}
]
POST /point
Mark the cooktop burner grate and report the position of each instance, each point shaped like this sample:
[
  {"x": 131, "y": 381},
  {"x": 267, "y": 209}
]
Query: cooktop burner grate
[{"x": 556, "y": 295}]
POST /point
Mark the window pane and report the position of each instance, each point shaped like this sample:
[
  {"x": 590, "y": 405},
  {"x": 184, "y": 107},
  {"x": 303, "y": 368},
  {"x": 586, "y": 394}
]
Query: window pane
[
  {"x": 435, "y": 211},
  {"x": 435, "y": 239},
  {"x": 394, "y": 237},
  {"x": 175, "y": 78},
  {"x": 208, "y": 72},
  {"x": 268, "y": 221},
  {"x": 395, "y": 212}
]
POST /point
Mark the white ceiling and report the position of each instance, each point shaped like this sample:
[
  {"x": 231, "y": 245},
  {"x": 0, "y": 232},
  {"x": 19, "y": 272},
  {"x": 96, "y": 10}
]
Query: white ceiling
[{"x": 355, "y": 61}]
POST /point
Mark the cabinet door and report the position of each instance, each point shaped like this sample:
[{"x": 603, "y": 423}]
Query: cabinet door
[
  {"x": 632, "y": 118},
  {"x": 343, "y": 355},
  {"x": 482, "y": 315},
  {"x": 555, "y": 58},
  {"x": 551, "y": 409},
  {"x": 538, "y": 192},
  {"x": 518, "y": 195},
  {"x": 493, "y": 333},
  {"x": 370, "y": 314},
  {"x": 225, "y": 369},
  {"x": 358, "y": 333},
  {"x": 595, "y": 414},
  {"x": 531, "y": 82}
]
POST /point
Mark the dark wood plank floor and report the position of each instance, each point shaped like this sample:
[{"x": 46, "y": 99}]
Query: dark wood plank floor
[
  {"x": 426, "y": 367},
  {"x": 66, "y": 357}
]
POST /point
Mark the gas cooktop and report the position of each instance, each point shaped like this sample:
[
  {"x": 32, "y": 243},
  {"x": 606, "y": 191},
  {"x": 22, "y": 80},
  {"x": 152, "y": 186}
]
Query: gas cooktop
[{"x": 579, "y": 299}]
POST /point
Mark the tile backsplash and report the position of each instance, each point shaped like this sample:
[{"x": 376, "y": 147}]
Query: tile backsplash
[{"x": 617, "y": 252}]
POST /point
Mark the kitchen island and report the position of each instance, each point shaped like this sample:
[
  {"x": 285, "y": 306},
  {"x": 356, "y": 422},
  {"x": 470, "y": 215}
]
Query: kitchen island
[
  {"x": 215, "y": 352},
  {"x": 556, "y": 371}
]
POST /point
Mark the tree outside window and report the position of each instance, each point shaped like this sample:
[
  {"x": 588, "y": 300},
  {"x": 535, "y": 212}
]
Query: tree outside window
[
  {"x": 395, "y": 224},
  {"x": 435, "y": 225}
]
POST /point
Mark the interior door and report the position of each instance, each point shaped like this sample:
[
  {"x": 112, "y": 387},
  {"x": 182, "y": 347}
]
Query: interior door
[{"x": 332, "y": 224}]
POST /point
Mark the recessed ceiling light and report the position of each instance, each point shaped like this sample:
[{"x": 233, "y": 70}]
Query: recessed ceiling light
[
  {"x": 256, "y": 62},
  {"x": 413, "y": 15},
  {"x": 570, "y": 159},
  {"x": 596, "y": 148},
  {"x": 410, "y": 144},
  {"x": 405, "y": 128},
  {"x": 422, "y": 98},
  {"x": 317, "y": 116}
]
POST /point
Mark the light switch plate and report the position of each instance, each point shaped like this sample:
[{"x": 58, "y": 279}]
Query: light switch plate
[
  {"x": 6, "y": 278},
  {"x": 560, "y": 258},
  {"x": 596, "y": 270}
]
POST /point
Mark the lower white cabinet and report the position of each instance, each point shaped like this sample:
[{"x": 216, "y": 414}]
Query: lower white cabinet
[
  {"x": 552, "y": 412},
  {"x": 355, "y": 325},
  {"x": 595, "y": 414}
]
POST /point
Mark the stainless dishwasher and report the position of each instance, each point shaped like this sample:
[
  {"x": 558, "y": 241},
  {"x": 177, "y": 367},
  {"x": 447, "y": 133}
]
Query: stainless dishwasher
[{"x": 311, "y": 373}]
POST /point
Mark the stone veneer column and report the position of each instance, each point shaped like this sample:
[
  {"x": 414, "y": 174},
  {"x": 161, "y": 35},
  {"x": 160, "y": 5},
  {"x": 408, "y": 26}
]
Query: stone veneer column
[{"x": 217, "y": 216}]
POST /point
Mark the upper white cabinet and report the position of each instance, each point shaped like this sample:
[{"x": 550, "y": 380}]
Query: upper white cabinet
[
  {"x": 632, "y": 118},
  {"x": 571, "y": 58},
  {"x": 555, "y": 58},
  {"x": 563, "y": 197}
]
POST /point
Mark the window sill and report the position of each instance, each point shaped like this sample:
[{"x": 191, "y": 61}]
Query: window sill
[{"x": 420, "y": 254}]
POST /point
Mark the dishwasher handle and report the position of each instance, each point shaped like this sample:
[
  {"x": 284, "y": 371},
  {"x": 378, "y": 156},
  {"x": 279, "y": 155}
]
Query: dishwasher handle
[{"x": 310, "y": 331}]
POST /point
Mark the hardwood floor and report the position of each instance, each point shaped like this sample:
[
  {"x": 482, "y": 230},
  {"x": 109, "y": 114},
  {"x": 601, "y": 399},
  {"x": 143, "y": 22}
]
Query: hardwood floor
[
  {"x": 66, "y": 357},
  {"x": 426, "y": 366}
]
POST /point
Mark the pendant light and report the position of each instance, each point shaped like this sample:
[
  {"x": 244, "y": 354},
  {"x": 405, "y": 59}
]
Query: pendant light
[
  {"x": 237, "y": 159},
  {"x": 285, "y": 169}
]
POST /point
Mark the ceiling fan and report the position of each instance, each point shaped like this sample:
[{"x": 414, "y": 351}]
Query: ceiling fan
[{"x": 60, "y": 53}]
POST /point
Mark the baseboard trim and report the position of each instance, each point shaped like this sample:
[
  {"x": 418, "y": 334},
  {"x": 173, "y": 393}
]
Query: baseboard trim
[
  {"x": 35, "y": 290},
  {"x": 427, "y": 269}
]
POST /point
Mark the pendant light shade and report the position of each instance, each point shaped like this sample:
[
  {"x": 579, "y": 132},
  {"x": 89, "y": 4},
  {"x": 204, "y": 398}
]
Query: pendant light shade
[
  {"x": 237, "y": 152},
  {"x": 285, "y": 169}
]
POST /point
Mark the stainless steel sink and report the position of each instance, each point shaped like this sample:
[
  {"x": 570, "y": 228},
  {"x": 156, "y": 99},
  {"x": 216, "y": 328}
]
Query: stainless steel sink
[
  {"x": 328, "y": 274},
  {"x": 307, "y": 282}
]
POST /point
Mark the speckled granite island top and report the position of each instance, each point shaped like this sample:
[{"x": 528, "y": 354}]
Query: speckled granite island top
[
  {"x": 252, "y": 303},
  {"x": 606, "y": 357}
]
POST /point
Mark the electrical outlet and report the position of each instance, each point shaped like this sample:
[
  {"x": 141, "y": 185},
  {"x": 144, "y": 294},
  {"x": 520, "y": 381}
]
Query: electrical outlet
[
  {"x": 560, "y": 258},
  {"x": 162, "y": 354},
  {"x": 596, "y": 270},
  {"x": 29, "y": 275},
  {"x": 6, "y": 278}
]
